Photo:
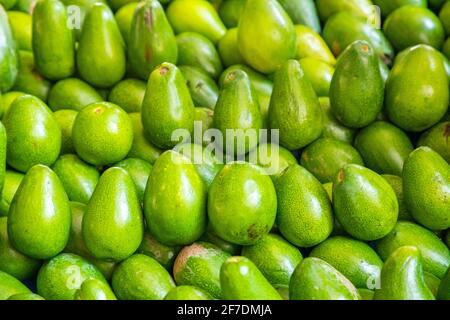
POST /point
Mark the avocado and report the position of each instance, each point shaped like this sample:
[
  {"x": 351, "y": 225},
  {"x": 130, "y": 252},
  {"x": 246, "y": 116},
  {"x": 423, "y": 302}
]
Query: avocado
[
  {"x": 94, "y": 289},
  {"x": 444, "y": 287},
  {"x": 25, "y": 296},
  {"x": 141, "y": 147},
  {"x": 139, "y": 170},
  {"x": 7, "y": 99},
  {"x": 365, "y": 294},
  {"x": 128, "y": 94},
  {"x": 162, "y": 253},
  {"x": 187, "y": 293},
  {"x": 332, "y": 127},
  {"x": 10, "y": 286},
  {"x": 124, "y": 17},
  {"x": 311, "y": 45},
  {"x": 319, "y": 73},
  {"x": 65, "y": 119},
  {"x": 302, "y": 12},
  {"x": 444, "y": 16},
  {"x": 203, "y": 89},
  {"x": 396, "y": 183},
  {"x": 326, "y": 8},
  {"x": 211, "y": 237},
  {"x": 10, "y": 186},
  {"x": 230, "y": 11},
  {"x": 387, "y": 6},
  {"x": 21, "y": 27},
  {"x": 437, "y": 138},
  {"x": 8, "y": 54},
  {"x": 228, "y": 47}
]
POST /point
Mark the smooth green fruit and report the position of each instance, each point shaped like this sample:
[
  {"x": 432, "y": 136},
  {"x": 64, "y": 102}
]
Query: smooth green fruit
[
  {"x": 444, "y": 288},
  {"x": 10, "y": 186},
  {"x": 203, "y": 89},
  {"x": 113, "y": 225},
  {"x": 427, "y": 170},
  {"x": 100, "y": 65},
  {"x": 364, "y": 203},
  {"x": 356, "y": 102},
  {"x": 53, "y": 44},
  {"x": 141, "y": 147},
  {"x": 199, "y": 265},
  {"x": 444, "y": 16},
  {"x": 151, "y": 40},
  {"x": 446, "y": 48},
  {"x": 266, "y": 21},
  {"x": 241, "y": 280},
  {"x": 387, "y": 6},
  {"x": 94, "y": 289},
  {"x": 25, "y": 296},
  {"x": 416, "y": 103},
  {"x": 202, "y": 18},
  {"x": 12, "y": 261},
  {"x": 319, "y": 73},
  {"x": 187, "y": 293},
  {"x": 302, "y": 12},
  {"x": 8, "y": 54},
  {"x": 3, "y": 145},
  {"x": 412, "y": 25},
  {"x": 72, "y": 93},
  {"x": 198, "y": 51},
  {"x": 61, "y": 277},
  {"x": 175, "y": 200},
  {"x": 316, "y": 158},
  {"x": 435, "y": 254},
  {"x": 7, "y": 99},
  {"x": 139, "y": 170},
  {"x": 29, "y": 80},
  {"x": 315, "y": 279},
  {"x": 384, "y": 147},
  {"x": 124, "y": 17},
  {"x": 355, "y": 259},
  {"x": 326, "y": 8},
  {"x": 229, "y": 49},
  {"x": 78, "y": 178},
  {"x": 311, "y": 45},
  {"x": 21, "y": 28},
  {"x": 230, "y": 11},
  {"x": 237, "y": 110},
  {"x": 432, "y": 282},
  {"x": 162, "y": 253},
  {"x": 332, "y": 127},
  {"x": 141, "y": 278},
  {"x": 304, "y": 214},
  {"x": 211, "y": 237},
  {"x": 242, "y": 203},
  {"x": 275, "y": 258},
  {"x": 397, "y": 185},
  {"x": 95, "y": 127},
  {"x": 76, "y": 243},
  {"x": 402, "y": 277},
  {"x": 365, "y": 294},
  {"x": 128, "y": 94},
  {"x": 65, "y": 119},
  {"x": 7, "y": 4},
  {"x": 294, "y": 107},
  {"x": 167, "y": 106},
  {"x": 10, "y": 286},
  {"x": 39, "y": 228},
  {"x": 437, "y": 138}
]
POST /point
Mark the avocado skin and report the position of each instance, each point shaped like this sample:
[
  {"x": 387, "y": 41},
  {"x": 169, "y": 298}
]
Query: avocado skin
[
  {"x": 202, "y": 87},
  {"x": 319, "y": 73},
  {"x": 301, "y": 198},
  {"x": 402, "y": 277},
  {"x": 275, "y": 258},
  {"x": 408, "y": 98},
  {"x": 327, "y": 8},
  {"x": 387, "y": 6},
  {"x": 94, "y": 289},
  {"x": 8, "y": 54},
  {"x": 162, "y": 253},
  {"x": 10, "y": 286},
  {"x": 435, "y": 254},
  {"x": 397, "y": 185},
  {"x": 128, "y": 94},
  {"x": 315, "y": 279},
  {"x": 187, "y": 293},
  {"x": 427, "y": 170},
  {"x": 21, "y": 27},
  {"x": 437, "y": 138},
  {"x": 72, "y": 93},
  {"x": 332, "y": 127},
  {"x": 25, "y": 296},
  {"x": 364, "y": 203},
  {"x": 124, "y": 17},
  {"x": 302, "y": 12},
  {"x": 53, "y": 44},
  {"x": 230, "y": 11},
  {"x": 65, "y": 119},
  {"x": 241, "y": 280},
  {"x": 207, "y": 260},
  {"x": 229, "y": 49},
  {"x": 141, "y": 278},
  {"x": 444, "y": 288},
  {"x": 311, "y": 44},
  {"x": 141, "y": 147},
  {"x": 211, "y": 237},
  {"x": 10, "y": 186},
  {"x": 139, "y": 170},
  {"x": 3, "y": 145},
  {"x": 384, "y": 147}
]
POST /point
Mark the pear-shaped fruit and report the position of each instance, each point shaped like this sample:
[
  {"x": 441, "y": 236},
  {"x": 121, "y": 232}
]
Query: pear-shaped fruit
[
  {"x": 310, "y": 44},
  {"x": 397, "y": 185},
  {"x": 167, "y": 106},
  {"x": 53, "y": 45},
  {"x": 425, "y": 169},
  {"x": 364, "y": 203},
  {"x": 203, "y": 89},
  {"x": 175, "y": 200},
  {"x": 39, "y": 228},
  {"x": 438, "y": 139},
  {"x": 294, "y": 108},
  {"x": 266, "y": 21},
  {"x": 10, "y": 286},
  {"x": 302, "y": 12},
  {"x": 151, "y": 39},
  {"x": 162, "y": 253},
  {"x": 139, "y": 170},
  {"x": 241, "y": 280},
  {"x": 128, "y": 94},
  {"x": 327, "y": 8},
  {"x": 187, "y": 293},
  {"x": 332, "y": 127},
  {"x": 357, "y": 89},
  {"x": 315, "y": 279},
  {"x": 72, "y": 93},
  {"x": 402, "y": 277},
  {"x": 101, "y": 58},
  {"x": 8, "y": 54},
  {"x": 113, "y": 226},
  {"x": 94, "y": 289}
]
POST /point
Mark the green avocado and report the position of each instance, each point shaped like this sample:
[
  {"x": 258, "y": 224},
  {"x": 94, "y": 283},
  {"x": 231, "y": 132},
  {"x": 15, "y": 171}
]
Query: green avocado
[
  {"x": 25, "y": 296},
  {"x": 427, "y": 170},
  {"x": 229, "y": 49},
  {"x": 10, "y": 286},
  {"x": 396, "y": 183},
  {"x": 187, "y": 293},
  {"x": 316, "y": 158},
  {"x": 304, "y": 216},
  {"x": 402, "y": 277},
  {"x": 8, "y": 4},
  {"x": 315, "y": 279},
  {"x": 211, "y": 237},
  {"x": 139, "y": 170},
  {"x": 319, "y": 73},
  {"x": 21, "y": 27},
  {"x": 124, "y": 17},
  {"x": 230, "y": 11},
  {"x": 162, "y": 253},
  {"x": 7, "y": 99},
  {"x": 365, "y": 294},
  {"x": 444, "y": 287},
  {"x": 53, "y": 44},
  {"x": 66, "y": 119},
  {"x": 384, "y": 147},
  {"x": 387, "y": 6},
  {"x": 199, "y": 265},
  {"x": 364, "y": 203},
  {"x": 10, "y": 186},
  {"x": 151, "y": 40},
  {"x": 302, "y": 12},
  {"x": 141, "y": 278},
  {"x": 94, "y": 289},
  {"x": 437, "y": 138},
  {"x": 311, "y": 45},
  {"x": 72, "y": 93},
  {"x": 327, "y": 8},
  {"x": 76, "y": 243},
  {"x": 332, "y": 127},
  {"x": 128, "y": 94},
  {"x": 3, "y": 145},
  {"x": 203, "y": 88},
  {"x": 141, "y": 147},
  {"x": 8, "y": 54},
  {"x": 444, "y": 16}
]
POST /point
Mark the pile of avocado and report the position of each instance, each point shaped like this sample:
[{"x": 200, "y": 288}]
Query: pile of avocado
[{"x": 102, "y": 196}]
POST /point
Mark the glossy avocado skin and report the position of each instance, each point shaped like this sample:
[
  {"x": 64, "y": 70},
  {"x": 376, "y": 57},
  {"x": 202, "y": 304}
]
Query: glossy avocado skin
[
  {"x": 397, "y": 185},
  {"x": 203, "y": 88},
  {"x": 332, "y": 127},
  {"x": 187, "y": 293},
  {"x": 141, "y": 278},
  {"x": 229, "y": 50},
  {"x": 8, "y": 54},
  {"x": 39, "y": 228},
  {"x": 319, "y": 73},
  {"x": 21, "y": 27},
  {"x": 301, "y": 197},
  {"x": 444, "y": 287},
  {"x": 402, "y": 277},
  {"x": 53, "y": 44},
  {"x": 72, "y": 93},
  {"x": 437, "y": 138},
  {"x": 139, "y": 170},
  {"x": 94, "y": 289},
  {"x": 435, "y": 254},
  {"x": 151, "y": 40},
  {"x": 25, "y": 296},
  {"x": 302, "y": 13},
  {"x": 10, "y": 186},
  {"x": 10, "y": 286},
  {"x": 230, "y": 11},
  {"x": 65, "y": 119},
  {"x": 311, "y": 44},
  {"x": 364, "y": 203},
  {"x": 387, "y": 6},
  {"x": 315, "y": 279},
  {"x": 128, "y": 94},
  {"x": 407, "y": 101},
  {"x": 327, "y": 8},
  {"x": 141, "y": 147},
  {"x": 242, "y": 203},
  {"x": 241, "y": 280},
  {"x": 427, "y": 170},
  {"x": 384, "y": 147},
  {"x": 162, "y": 253}
]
